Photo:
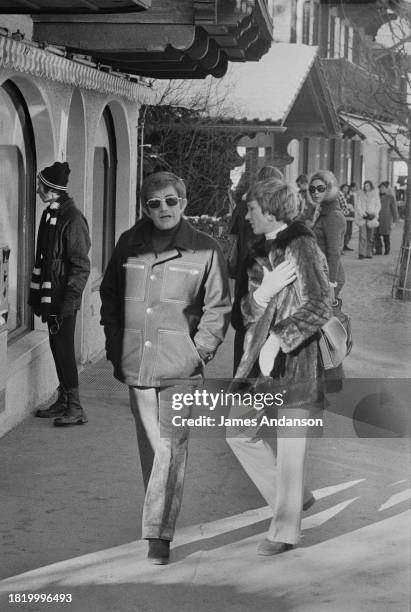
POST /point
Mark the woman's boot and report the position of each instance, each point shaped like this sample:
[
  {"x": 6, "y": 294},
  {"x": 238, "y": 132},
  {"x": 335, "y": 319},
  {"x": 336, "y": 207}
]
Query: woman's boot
[
  {"x": 58, "y": 408},
  {"x": 74, "y": 413}
]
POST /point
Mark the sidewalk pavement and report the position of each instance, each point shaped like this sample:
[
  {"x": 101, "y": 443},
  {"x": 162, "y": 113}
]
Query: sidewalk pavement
[{"x": 72, "y": 500}]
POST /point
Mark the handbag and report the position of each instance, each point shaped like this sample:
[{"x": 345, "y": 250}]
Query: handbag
[{"x": 335, "y": 341}]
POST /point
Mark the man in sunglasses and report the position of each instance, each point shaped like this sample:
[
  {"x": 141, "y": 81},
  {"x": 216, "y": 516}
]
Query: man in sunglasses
[{"x": 165, "y": 310}]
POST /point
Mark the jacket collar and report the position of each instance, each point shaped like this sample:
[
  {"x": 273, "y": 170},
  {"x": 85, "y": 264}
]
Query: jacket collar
[
  {"x": 184, "y": 238},
  {"x": 294, "y": 230},
  {"x": 329, "y": 205}
]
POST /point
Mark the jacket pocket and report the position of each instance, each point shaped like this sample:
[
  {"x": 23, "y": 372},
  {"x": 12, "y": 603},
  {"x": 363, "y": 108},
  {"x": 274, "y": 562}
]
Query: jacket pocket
[
  {"x": 132, "y": 348},
  {"x": 136, "y": 272},
  {"x": 58, "y": 275},
  {"x": 177, "y": 356},
  {"x": 181, "y": 282}
]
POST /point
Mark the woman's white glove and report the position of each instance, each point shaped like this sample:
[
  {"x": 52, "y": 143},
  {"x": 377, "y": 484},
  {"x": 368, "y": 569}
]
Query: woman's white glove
[
  {"x": 273, "y": 281},
  {"x": 268, "y": 354}
]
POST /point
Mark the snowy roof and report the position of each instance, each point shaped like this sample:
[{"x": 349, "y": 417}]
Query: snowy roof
[
  {"x": 266, "y": 90},
  {"x": 379, "y": 132},
  {"x": 262, "y": 92}
]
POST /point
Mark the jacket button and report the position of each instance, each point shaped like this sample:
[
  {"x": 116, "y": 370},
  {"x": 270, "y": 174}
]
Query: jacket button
[
  {"x": 153, "y": 277},
  {"x": 147, "y": 343},
  {"x": 149, "y": 310}
]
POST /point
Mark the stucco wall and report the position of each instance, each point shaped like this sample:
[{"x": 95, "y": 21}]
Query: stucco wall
[{"x": 65, "y": 126}]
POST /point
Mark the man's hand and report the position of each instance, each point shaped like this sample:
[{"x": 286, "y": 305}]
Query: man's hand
[
  {"x": 268, "y": 354},
  {"x": 273, "y": 281}
]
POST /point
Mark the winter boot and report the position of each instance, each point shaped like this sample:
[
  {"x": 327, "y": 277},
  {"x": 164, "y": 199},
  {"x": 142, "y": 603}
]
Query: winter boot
[
  {"x": 56, "y": 409},
  {"x": 74, "y": 413}
]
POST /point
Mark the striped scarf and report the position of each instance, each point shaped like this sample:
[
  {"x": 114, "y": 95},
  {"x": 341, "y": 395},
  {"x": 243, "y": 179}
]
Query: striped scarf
[{"x": 40, "y": 286}]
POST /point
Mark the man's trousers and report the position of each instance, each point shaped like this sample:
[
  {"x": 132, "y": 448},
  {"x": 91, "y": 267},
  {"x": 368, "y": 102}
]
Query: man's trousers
[{"x": 163, "y": 456}]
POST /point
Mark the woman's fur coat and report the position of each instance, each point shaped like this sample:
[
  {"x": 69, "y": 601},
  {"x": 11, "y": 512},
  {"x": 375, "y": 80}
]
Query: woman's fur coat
[{"x": 295, "y": 315}]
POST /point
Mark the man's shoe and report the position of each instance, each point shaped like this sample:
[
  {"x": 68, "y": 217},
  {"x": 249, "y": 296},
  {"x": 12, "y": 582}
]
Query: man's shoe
[
  {"x": 361, "y": 256},
  {"x": 74, "y": 413},
  {"x": 310, "y": 502},
  {"x": 368, "y": 257},
  {"x": 268, "y": 548},
  {"x": 158, "y": 551},
  {"x": 58, "y": 408},
  {"x": 347, "y": 248}
]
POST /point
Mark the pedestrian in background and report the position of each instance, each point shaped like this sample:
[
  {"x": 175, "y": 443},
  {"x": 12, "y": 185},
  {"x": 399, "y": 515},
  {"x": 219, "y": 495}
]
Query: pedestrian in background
[
  {"x": 348, "y": 213},
  {"x": 59, "y": 276},
  {"x": 243, "y": 237},
  {"x": 367, "y": 207},
  {"x": 388, "y": 215},
  {"x": 165, "y": 310},
  {"x": 307, "y": 205},
  {"x": 329, "y": 224}
]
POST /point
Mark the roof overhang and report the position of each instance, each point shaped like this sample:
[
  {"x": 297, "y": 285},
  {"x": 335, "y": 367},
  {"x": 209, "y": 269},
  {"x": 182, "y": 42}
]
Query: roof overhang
[
  {"x": 192, "y": 40},
  {"x": 285, "y": 91},
  {"x": 377, "y": 132},
  {"x": 42, "y": 7}
]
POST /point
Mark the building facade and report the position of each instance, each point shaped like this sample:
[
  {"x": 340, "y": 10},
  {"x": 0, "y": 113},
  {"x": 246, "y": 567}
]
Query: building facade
[
  {"x": 66, "y": 93},
  {"x": 344, "y": 34}
]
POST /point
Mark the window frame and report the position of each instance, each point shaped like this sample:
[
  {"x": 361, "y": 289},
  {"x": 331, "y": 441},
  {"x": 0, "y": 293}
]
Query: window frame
[{"x": 26, "y": 214}]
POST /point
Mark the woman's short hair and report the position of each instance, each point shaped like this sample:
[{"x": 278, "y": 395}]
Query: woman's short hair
[
  {"x": 159, "y": 180},
  {"x": 276, "y": 198},
  {"x": 329, "y": 180},
  {"x": 370, "y": 183},
  {"x": 268, "y": 172}
]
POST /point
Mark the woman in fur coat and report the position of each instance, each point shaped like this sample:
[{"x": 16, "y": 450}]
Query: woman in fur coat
[
  {"x": 282, "y": 330},
  {"x": 330, "y": 224}
]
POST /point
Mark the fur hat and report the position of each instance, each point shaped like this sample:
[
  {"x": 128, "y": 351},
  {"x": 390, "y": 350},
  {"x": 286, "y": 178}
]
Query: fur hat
[{"x": 55, "y": 176}]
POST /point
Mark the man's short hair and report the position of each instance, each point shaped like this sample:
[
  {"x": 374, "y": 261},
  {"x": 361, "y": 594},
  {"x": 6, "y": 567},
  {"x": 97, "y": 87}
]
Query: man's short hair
[
  {"x": 276, "y": 198},
  {"x": 303, "y": 178},
  {"x": 159, "y": 180},
  {"x": 268, "y": 172},
  {"x": 384, "y": 184}
]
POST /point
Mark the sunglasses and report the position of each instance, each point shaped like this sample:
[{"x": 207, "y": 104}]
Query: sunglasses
[
  {"x": 154, "y": 203},
  {"x": 319, "y": 188}
]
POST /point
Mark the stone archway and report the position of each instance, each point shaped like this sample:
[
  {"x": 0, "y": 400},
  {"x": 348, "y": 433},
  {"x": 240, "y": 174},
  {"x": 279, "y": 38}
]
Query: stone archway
[{"x": 76, "y": 158}]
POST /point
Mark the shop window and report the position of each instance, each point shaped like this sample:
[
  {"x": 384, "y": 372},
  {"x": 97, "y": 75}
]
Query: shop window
[
  {"x": 104, "y": 194},
  {"x": 17, "y": 203}
]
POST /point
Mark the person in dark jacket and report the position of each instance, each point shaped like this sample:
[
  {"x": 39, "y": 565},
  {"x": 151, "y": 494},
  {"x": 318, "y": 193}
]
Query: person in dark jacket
[
  {"x": 283, "y": 321},
  {"x": 165, "y": 310},
  {"x": 59, "y": 276},
  {"x": 329, "y": 224},
  {"x": 388, "y": 215},
  {"x": 243, "y": 237}
]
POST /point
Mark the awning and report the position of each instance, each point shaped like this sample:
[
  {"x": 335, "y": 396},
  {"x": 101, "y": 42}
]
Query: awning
[
  {"x": 285, "y": 90},
  {"x": 378, "y": 132},
  {"x": 34, "y": 7}
]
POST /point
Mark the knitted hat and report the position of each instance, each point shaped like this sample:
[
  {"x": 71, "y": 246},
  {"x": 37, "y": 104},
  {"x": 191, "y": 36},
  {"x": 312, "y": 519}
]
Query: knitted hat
[{"x": 55, "y": 176}]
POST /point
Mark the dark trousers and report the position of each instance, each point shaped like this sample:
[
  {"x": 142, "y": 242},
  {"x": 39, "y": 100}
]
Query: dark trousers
[
  {"x": 62, "y": 348},
  {"x": 348, "y": 233},
  {"x": 378, "y": 242}
]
